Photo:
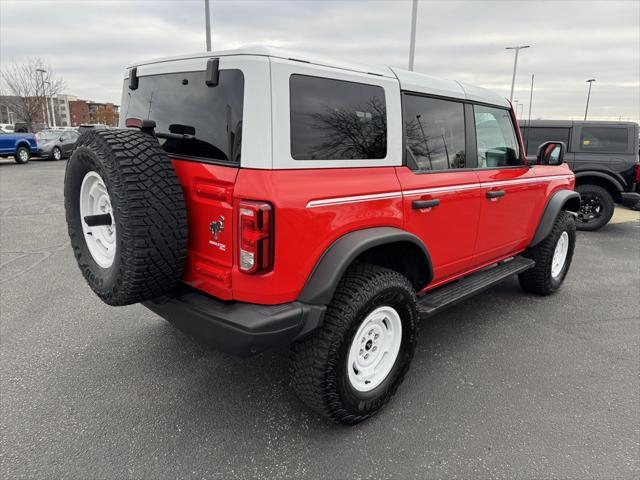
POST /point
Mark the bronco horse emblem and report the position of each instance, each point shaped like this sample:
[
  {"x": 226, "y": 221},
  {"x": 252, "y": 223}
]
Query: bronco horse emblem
[{"x": 217, "y": 227}]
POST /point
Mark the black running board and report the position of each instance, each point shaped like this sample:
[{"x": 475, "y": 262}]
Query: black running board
[{"x": 433, "y": 302}]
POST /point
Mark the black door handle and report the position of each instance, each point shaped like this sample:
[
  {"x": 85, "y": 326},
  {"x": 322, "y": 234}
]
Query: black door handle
[
  {"x": 420, "y": 204},
  {"x": 495, "y": 193}
]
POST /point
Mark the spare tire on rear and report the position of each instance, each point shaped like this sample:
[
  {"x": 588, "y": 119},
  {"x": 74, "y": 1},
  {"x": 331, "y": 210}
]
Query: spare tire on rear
[{"x": 126, "y": 215}]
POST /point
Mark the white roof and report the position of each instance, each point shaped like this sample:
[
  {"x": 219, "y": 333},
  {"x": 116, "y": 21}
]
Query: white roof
[{"x": 410, "y": 81}]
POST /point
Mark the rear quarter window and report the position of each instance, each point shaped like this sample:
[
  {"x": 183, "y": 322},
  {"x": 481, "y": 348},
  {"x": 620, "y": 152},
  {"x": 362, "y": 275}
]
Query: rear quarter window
[
  {"x": 336, "y": 119},
  {"x": 204, "y": 122},
  {"x": 604, "y": 139}
]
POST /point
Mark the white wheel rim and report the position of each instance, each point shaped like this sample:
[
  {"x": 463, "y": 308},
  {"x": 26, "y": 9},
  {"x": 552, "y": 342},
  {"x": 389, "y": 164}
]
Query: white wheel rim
[
  {"x": 94, "y": 200},
  {"x": 374, "y": 349},
  {"x": 57, "y": 154},
  {"x": 560, "y": 255},
  {"x": 24, "y": 155}
]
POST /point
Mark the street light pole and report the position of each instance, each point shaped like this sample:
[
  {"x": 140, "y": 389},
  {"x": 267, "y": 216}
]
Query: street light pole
[
  {"x": 412, "y": 41},
  {"x": 207, "y": 20},
  {"x": 52, "y": 115},
  {"x": 517, "y": 48},
  {"x": 590, "y": 81},
  {"x": 45, "y": 109}
]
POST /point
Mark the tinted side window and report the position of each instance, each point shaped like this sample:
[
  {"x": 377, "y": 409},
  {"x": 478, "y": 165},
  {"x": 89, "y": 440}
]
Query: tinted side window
[
  {"x": 336, "y": 120},
  {"x": 496, "y": 138},
  {"x": 434, "y": 133},
  {"x": 604, "y": 139},
  {"x": 536, "y": 136},
  {"x": 205, "y": 122}
]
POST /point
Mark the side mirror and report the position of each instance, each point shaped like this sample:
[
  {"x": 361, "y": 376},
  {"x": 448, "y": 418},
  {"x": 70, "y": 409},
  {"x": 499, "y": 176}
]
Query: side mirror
[{"x": 551, "y": 153}]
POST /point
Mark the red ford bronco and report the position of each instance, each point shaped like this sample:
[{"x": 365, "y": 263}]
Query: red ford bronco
[{"x": 257, "y": 198}]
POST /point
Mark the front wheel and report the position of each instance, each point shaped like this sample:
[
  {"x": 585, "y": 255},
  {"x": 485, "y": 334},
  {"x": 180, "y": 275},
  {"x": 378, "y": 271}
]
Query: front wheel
[
  {"x": 352, "y": 365},
  {"x": 552, "y": 256},
  {"x": 22, "y": 155}
]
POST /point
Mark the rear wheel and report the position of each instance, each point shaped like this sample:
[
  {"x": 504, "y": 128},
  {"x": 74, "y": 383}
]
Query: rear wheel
[
  {"x": 352, "y": 365},
  {"x": 22, "y": 155},
  {"x": 596, "y": 207},
  {"x": 125, "y": 215},
  {"x": 552, "y": 256}
]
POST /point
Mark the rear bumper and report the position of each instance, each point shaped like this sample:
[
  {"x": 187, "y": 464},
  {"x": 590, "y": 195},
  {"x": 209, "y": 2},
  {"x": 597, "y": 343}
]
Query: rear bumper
[{"x": 241, "y": 329}]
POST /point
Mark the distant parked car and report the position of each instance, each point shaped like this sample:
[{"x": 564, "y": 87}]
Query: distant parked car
[
  {"x": 604, "y": 158},
  {"x": 56, "y": 144},
  {"x": 91, "y": 126},
  {"x": 6, "y": 127},
  {"x": 20, "y": 145}
]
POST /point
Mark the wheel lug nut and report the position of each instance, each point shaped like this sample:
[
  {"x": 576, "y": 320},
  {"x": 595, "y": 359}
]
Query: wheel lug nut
[
  {"x": 375, "y": 337},
  {"x": 374, "y": 349},
  {"x": 361, "y": 351},
  {"x": 366, "y": 356}
]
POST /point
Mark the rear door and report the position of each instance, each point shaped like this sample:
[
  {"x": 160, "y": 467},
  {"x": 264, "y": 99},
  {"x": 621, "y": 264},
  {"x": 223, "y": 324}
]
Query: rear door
[
  {"x": 203, "y": 130},
  {"x": 440, "y": 190},
  {"x": 510, "y": 190}
]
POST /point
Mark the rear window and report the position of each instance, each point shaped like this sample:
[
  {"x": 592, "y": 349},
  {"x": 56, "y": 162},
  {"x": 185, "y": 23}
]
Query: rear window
[
  {"x": 604, "y": 139},
  {"x": 536, "y": 136},
  {"x": 336, "y": 119},
  {"x": 202, "y": 122}
]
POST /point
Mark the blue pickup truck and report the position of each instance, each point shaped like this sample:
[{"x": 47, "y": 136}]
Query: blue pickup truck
[{"x": 20, "y": 145}]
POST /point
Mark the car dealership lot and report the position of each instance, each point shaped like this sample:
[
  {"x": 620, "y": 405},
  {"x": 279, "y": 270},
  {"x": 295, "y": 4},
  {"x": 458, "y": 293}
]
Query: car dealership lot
[{"x": 504, "y": 384}]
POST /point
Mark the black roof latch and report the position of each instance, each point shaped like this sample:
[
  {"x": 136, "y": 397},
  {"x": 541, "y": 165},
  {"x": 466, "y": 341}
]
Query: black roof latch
[
  {"x": 213, "y": 72},
  {"x": 133, "y": 78}
]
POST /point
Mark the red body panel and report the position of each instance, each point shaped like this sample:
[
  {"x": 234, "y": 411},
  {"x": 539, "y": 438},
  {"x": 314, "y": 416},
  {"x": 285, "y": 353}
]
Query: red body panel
[
  {"x": 208, "y": 193},
  {"x": 314, "y": 207},
  {"x": 448, "y": 230}
]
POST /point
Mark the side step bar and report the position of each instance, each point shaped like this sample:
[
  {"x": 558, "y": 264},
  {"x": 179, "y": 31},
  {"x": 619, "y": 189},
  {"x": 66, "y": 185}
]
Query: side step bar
[{"x": 433, "y": 302}]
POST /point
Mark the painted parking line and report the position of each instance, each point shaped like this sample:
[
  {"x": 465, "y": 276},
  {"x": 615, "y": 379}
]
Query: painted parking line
[{"x": 625, "y": 215}]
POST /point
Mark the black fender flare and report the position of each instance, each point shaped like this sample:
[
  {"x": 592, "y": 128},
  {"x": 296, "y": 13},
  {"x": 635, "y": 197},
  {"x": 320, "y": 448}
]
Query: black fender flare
[
  {"x": 606, "y": 176},
  {"x": 561, "y": 200},
  {"x": 323, "y": 280}
]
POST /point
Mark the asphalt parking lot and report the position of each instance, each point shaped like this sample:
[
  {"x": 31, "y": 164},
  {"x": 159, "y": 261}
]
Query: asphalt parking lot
[{"x": 507, "y": 384}]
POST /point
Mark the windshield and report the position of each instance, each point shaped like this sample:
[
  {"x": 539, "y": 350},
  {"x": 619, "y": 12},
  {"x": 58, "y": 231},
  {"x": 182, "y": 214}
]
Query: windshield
[
  {"x": 48, "y": 135},
  {"x": 198, "y": 120}
]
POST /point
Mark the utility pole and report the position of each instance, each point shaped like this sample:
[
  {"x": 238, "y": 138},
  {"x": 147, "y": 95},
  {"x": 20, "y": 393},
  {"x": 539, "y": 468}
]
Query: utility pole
[
  {"x": 52, "y": 117},
  {"x": 412, "y": 41},
  {"x": 590, "y": 81},
  {"x": 517, "y": 48},
  {"x": 207, "y": 20},
  {"x": 45, "y": 108},
  {"x": 526, "y": 143}
]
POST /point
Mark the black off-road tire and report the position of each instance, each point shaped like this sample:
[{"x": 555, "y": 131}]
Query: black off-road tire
[
  {"x": 148, "y": 210},
  {"x": 606, "y": 202},
  {"x": 20, "y": 150},
  {"x": 539, "y": 279},
  {"x": 318, "y": 362}
]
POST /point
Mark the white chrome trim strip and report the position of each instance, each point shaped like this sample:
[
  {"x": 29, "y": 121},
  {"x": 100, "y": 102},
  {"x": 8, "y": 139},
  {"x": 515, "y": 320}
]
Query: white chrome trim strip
[
  {"x": 354, "y": 199},
  {"x": 324, "y": 202}
]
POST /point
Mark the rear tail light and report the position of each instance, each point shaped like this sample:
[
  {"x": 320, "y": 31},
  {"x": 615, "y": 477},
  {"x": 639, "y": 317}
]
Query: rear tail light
[
  {"x": 256, "y": 237},
  {"x": 636, "y": 177}
]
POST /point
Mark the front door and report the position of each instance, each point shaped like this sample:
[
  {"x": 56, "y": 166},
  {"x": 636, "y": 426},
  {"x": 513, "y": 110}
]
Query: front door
[
  {"x": 440, "y": 192},
  {"x": 510, "y": 190}
]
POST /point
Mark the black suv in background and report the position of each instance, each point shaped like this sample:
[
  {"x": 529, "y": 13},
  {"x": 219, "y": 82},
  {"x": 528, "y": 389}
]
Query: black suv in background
[{"x": 604, "y": 158}]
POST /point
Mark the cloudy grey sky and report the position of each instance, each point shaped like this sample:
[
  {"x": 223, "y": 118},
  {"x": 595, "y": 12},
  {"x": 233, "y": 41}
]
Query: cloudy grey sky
[{"x": 90, "y": 42}]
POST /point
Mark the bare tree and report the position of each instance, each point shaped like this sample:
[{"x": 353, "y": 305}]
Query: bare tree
[{"x": 24, "y": 87}]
